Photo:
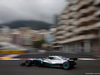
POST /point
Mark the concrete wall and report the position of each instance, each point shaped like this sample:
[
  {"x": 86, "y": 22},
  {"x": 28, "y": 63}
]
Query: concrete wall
[{"x": 95, "y": 46}]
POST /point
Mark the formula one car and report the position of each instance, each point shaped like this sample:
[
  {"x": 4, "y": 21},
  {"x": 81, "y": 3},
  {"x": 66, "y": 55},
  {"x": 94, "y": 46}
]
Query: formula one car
[{"x": 52, "y": 61}]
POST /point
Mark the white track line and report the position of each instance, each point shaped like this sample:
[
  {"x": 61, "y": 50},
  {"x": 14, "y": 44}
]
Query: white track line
[
  {"x": 85, "y": 59},
  {"x": 11, "y": 56},
  {"x": 33, "y": 58}
]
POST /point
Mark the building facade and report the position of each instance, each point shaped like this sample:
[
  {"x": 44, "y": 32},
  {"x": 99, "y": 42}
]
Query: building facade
[{"x": 79, "y": 27}]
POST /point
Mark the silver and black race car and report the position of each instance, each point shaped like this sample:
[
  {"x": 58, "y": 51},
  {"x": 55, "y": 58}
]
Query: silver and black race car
[{"x": 52, "y": 61}]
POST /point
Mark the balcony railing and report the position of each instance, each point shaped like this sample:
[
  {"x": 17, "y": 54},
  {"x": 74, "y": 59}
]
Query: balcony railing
[
  {"x": 82, "y": 3},
  {"x": 73, "y": 39},
  {"x": 97, "y": 13},
  {"x": 69, "y": 28},
  {"x": 60, "y": 32},
  {"x": 84, "y": 11},
  {"x": 77, "y": 30},
  {"x": 70, "y": 21},
  {"x": 56, "y": 42},
  {"x": 61, "y": 22},
  {"x": 68, "y": 34},
  {"x": 78, "y": 38},
  {"x": 86, "y": 28},
  {"x": 61, "y": 27},
  {"x": 94, "y": 26},
  {"x": 85, "y": 19},
  {"x": 59, "y": 37},
  {"x": 66, "y": 16},
  {"x": 97, "y": 2}
]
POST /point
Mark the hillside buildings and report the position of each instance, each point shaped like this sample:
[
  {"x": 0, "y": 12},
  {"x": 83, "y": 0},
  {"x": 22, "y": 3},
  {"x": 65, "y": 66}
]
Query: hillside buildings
[{"x": 21, "y": 36}]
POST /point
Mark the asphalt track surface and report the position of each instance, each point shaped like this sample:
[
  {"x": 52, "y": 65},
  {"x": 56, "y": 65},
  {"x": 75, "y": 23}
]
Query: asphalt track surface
[
  {"x": 82, "y": 68},
  {"x": 42, "y": 55}
]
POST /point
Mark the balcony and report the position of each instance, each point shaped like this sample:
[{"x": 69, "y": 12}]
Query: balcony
[
  {"x": 70, "y": 21},
  {"x": 60, "y": 33},
  {"x": 68, "y": 34},
  {"x": 73, "y": 7},
  {"x": 97, "y": 2},
  {"x": 63, "y": 17},
  {"x": 94, "y": 26},
  {"x": 73, "y": 39},
  {"x": 97, "y": 13},
  {"x": 73, "y": 1},
  {"x": 59, "y": 37},
  {"x": 54, "y": 42},
  {"x": 82, "y": 3},
  {"x": 86, "y": 11},
  {"x": 61, "y": 22},
  {"x": 61, "y": 27},
  {"x": 78, "y": 38},
  {"x": 77, "y": 30},
  {"x": 69, "y": 28},
  {"x": 87, "y": 28},
  {"x": 91, "y": 36},
  {"x": 66, "y": 16},
  {"x": 85, "y": 19}
]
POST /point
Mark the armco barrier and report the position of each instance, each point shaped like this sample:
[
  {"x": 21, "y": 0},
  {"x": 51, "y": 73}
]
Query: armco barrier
[{"x": 12, "y": 51}]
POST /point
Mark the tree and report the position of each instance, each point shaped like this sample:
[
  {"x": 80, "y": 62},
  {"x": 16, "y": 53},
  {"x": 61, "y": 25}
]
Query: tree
[{"x": 38, "y": 44}]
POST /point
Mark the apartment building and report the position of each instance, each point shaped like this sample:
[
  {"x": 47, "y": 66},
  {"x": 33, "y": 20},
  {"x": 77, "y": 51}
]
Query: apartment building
[{"x": 79, "y": 27}]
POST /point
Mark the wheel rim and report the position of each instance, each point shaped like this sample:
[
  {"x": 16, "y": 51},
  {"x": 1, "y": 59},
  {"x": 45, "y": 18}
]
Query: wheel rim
[
  {"x": 27, "y": 63},
  {"x": 66, "y": 65}
]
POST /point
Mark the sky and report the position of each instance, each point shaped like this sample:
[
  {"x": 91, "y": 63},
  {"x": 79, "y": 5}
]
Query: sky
[{"x": 41, "y": 10}]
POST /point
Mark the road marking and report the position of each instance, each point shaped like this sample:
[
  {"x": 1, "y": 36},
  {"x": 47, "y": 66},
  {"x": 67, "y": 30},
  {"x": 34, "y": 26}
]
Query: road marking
[
  {"x": 86, "y": 58},
  {"x": 96, "y": 58},
  {"x": 33, "y": 58},
  {"x": 24, "y": 59},
  {"x": 11, "y": 56}
]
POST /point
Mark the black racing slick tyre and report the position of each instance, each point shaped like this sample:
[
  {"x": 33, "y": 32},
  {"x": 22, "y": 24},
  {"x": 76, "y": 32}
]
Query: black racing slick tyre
[
  {"x": 66, "y": 65},
  {"x": 39, "y": 64},
  {"x": 22, "y": 64},
  {"x": 28, "y": 63}
]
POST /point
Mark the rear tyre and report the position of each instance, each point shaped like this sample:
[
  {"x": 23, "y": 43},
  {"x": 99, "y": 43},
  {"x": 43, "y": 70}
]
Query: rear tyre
[
  {"x": 28, "y": 63},
  {"x": 66, "y": 65}
]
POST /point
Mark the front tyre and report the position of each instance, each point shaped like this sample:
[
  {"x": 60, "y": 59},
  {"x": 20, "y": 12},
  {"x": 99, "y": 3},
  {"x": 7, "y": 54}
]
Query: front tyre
[
  {"x": 66, "y": 65},
  {"x": 28, "y": 63},
  {"x": 39, "y": 64},
  {"x": 22, "y": 64}
]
